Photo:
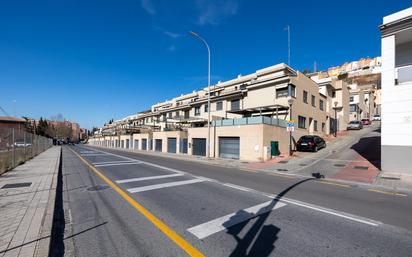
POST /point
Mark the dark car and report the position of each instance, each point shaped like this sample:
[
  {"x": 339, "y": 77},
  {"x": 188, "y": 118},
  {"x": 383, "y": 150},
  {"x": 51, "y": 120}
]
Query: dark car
[{"x": 310, "y": 143}]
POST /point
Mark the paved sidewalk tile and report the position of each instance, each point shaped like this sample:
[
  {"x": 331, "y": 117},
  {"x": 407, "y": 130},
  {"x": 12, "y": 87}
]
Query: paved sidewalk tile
[{"x": 24, "y": 204}]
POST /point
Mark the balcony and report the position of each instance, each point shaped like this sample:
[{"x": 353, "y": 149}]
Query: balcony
[
  {"x": 403, "y": 74},
  {"x": 250, "y": 121}
]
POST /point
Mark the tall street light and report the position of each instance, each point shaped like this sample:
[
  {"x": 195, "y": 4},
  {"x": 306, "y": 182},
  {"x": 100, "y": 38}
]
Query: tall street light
[
  {"x": 290, "y": 102},
  {"x": 194, "y": 34}
]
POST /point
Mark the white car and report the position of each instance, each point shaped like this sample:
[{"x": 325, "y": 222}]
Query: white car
[{"x": 376, "y": 117}]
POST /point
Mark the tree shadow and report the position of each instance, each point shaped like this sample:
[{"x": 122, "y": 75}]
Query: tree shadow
[
  {"x": 370, "y": 149},
  {"x": 260, "y": 238}
]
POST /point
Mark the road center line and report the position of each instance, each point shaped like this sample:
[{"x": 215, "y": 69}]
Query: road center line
[
  {"x": 164, "y": 185},
  {"x": 211, "y": 227},
  {"x": 147, "y": 178}
]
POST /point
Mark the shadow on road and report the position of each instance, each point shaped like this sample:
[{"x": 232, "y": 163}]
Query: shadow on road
[
  {"x": 260, "y": 238},
  {"x": 370, "y": 149}
]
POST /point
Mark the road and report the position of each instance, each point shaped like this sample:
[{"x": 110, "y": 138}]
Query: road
[{"x": 130, "y": 204}]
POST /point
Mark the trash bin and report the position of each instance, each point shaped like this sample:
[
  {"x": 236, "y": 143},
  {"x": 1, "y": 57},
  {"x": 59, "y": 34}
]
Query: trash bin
[{"x": 274, "y": 145}]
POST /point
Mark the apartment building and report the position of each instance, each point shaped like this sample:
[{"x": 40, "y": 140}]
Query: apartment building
[
  {"x": 396, "y": 100},
  {"x": 249, "y": 116}
]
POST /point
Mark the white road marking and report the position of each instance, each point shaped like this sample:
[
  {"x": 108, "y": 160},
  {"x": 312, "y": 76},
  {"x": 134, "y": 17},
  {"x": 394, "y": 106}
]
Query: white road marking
[
  {"x": 164, "y": 185},
  {"x": 147, "y": 178},
  {"x": 117, "y": 164},
  {"x": 283, "y": 199},
  {"x": 93, "y": 154},
  {"x": 238, "y": 187},
  {"x": 211, "y": 227},
  {"x": 107, "y": 162}
]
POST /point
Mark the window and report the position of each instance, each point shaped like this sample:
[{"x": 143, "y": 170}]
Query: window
[
  {"x": 323, "y": 126},
  {"x": 186, "y": 114},
  {"x": 313, "y": 99},
  {"x": 292, "y": 90},
  {"x": 206, "y": 107},
  {"x": 351, "y": 99},
  {"x": 164, "y": 117},
  {"x": 333, "y": 94},
  {"x": 177, "y": 114},
  {"x": 235, "y": 105},
  {"x": 321, "y": 105},
  {"x": 305, "y": 97},
  {"x": 315, "y": 125},
  {"x": 301, "y": 122},
  {"x": 170, "y": 115},
  {"x": 197, "y": 110},
  {"x": 219, "y": 106},
  {"x": 282, "y": 92},
  {"x": 353, "y": 108}
]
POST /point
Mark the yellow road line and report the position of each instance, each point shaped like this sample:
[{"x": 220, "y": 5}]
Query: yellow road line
[
  {"x": 188, "y": 248},
  {"x": 386, "y": 192},
  {"x": 333, "y": 183}
]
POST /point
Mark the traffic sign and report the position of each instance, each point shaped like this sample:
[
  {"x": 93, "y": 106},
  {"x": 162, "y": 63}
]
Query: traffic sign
[{"x": 290, "y": 128}]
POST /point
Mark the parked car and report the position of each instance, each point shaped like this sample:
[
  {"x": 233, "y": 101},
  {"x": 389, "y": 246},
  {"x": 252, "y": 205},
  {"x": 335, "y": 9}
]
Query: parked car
[
  {"x": 366, "y": 122},
  {"x": 310, "y": 143},
  {"x": 376, "y": 117},
  {"x": 355, "y": 124}
]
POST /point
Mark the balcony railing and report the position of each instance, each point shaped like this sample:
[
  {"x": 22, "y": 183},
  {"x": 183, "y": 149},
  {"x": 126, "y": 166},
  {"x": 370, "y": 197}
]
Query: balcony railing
[
  {"x": 404, "y": 74},
  {"x": 250, "y": 121}
]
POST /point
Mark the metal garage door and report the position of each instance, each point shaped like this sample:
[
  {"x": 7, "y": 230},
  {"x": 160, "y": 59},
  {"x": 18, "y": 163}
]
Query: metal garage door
[
  {"x": 199, "y": 146},
  {"x": 229, "y": 147},
  {"x": 158, "y": 145},
  {"x": 144, "y": 144},
  {"x": 183, "y": 145},
  {"x": 171, "y": 145}
]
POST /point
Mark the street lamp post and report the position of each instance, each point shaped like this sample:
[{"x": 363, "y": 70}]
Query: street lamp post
[
  {"x": 208, "y": 89},
  {"x": 290, "y": 102},
  {"x": 336, "y": 120}
]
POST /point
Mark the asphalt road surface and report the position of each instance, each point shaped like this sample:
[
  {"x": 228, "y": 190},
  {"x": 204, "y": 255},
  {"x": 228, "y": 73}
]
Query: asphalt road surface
[{"x": 130, "y": 204}]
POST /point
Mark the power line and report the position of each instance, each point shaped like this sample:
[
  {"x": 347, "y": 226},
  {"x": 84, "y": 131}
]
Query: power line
[{"x": 4, "y": 111}]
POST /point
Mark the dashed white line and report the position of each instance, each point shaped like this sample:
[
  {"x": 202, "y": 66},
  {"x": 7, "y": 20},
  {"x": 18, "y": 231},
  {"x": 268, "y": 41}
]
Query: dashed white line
[
  {"x": 117, "y": 164},
  {"x": 211, "y": 227},
  {"x": 164, "y": 185},
  {"x": 147, "y": 178}
]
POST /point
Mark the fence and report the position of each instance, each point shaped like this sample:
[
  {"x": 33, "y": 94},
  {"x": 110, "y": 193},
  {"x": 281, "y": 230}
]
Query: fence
[
  {"x": 250, "y": 120},
  {"x": 18, "y": 146}
]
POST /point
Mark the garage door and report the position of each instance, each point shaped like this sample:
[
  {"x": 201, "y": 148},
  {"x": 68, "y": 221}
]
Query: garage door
[
  {"x": 229, "y": 147},
  {"x": 183, "y": 145},
  {"x": 171, "y": 145},
  {"x": 158, "y": 145},
  {"x": 199, "y": 146}
]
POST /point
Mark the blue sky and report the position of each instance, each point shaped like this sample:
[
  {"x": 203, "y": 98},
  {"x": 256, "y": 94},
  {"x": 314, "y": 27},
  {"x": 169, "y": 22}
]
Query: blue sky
[{"x": 96, "y": 60}]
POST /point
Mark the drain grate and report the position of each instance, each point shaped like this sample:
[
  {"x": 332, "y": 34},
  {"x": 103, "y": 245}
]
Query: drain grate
[
  {"x": 17, "y": 185},
  {"x": 302, "y": 164},
  {"x": 283, "y": 162},
  {"x": 282, "y": 169},
  {"x": 97, "y": 187},
  {"x": 360, "y": 167},
  {"x": 339, "y": 165}
]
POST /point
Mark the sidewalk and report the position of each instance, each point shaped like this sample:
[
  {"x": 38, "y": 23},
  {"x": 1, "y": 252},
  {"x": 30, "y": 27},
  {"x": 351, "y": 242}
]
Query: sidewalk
[{"x": 27, "y": 197}]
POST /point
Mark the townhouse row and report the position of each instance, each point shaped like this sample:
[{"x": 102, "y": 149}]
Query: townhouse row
[{"x": 249, "y": 117}]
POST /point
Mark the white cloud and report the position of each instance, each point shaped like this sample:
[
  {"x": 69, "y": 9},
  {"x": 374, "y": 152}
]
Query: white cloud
[
  {"x": 148, "y": 6},
  {"x": 212, "y": 12}
]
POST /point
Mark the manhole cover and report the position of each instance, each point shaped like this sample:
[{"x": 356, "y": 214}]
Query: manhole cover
[
  {"x": 97, "y": 187},
  {"x": 339, "y": 165},
  {"x": 282, "y": 169},
  {"x": 360, "y": 167},
  {"x": 17, "y": 185},
  {"x": 283, "y": 162}
]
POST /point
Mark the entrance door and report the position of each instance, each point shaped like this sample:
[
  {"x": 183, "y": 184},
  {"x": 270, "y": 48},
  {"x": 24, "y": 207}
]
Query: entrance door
[
  {"x": 171, "y": 145},
  {"x": 229, "y": 147},
  {"x": 144, "y": 144},
  {"x": 183, "y": 145},
  {"x": 199, "y": 146},
  {"x": 158, "y": 145}
]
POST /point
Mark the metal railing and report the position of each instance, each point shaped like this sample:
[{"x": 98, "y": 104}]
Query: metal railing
[
  {"x": 250, "y": 121},
  {"x": 18, "y": 146},
  {"x": 404, "y": 74}
]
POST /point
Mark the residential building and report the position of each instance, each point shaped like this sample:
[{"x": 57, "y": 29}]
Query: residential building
[
  {"x": 396, "y": 99},
  {"x": 248, "y": 117}
]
